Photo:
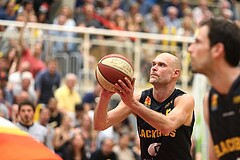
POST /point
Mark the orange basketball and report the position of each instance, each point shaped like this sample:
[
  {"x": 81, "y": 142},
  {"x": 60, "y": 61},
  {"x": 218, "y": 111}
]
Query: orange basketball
[{"x": 111, "y": 68}]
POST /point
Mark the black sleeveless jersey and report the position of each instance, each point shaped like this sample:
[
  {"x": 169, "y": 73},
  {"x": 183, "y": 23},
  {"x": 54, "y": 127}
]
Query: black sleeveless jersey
[
  {"x": 154, "y": 144},
  {"x": 224, "y": 122}
]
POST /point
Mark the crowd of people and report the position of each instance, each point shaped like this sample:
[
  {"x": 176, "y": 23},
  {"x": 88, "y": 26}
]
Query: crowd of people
[{"x": 36, "y": 97}]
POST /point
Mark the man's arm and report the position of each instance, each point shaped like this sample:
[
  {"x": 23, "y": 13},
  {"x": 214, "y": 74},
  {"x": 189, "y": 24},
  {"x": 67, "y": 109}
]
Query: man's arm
[
  {"x": 104, "y": 118},
  {"x": 180, "y": 115},
  {"x": 211, "y": 152},
  {"x": 22, "y": 44}
]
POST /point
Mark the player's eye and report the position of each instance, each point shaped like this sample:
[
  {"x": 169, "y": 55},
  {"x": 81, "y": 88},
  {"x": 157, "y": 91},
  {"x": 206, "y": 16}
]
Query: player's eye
[{"x": 162, "y": 64}]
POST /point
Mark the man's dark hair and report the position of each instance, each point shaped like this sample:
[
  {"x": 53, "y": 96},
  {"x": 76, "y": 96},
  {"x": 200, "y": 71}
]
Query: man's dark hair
[
  {"x": 225, "y": 32},
  {"x": 79, "y": 107},
  {"x": 29, "y": 103}
]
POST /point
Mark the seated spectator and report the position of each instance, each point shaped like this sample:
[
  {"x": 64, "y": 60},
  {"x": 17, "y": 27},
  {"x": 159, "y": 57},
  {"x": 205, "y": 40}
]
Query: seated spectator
[
  {"x": 9, "y": 11},
  {"x": 86, "y": 17},
  {"x": 88, "y": 133},
  {"x": 201, "y": 11},
  {"x": 26, "y": 8},
  {"x": 171, "y": 19},
  {"x": 4, "y": 110},
  {"x": 42, "y": 15},
  {"x": 27, "y": 79},
  {"x": 67, "y": 95},
  {"x": 63, "y": 135},
  {"x": 75, "y": 149},
  {"x": 64, "y": 19},
  {"x": 33, "y": 57},
  {"x": 8, "y": 96},
  {"x": 27, "y": 124},
  {"x": 13, "y": 58},
  {"x": 122, "y": 149},
  {"x": 67, "y": 11},
  {"x": 221, "y": 6},
  {"x": 79, "y": 114},
  {"x": 150, "y": 20},
  {"x": 173, "y": 3},
  {"x": 187, "y": 27},
  {"x": 136, "y": 148},
  {"x": 36, "y": 33},
  {"x": 21, "y": 97},
  {"x": 15, "y": 78},
  {"x": 41, "y": 7},
  {"x": 47, "y": 81},
  {"x": 105, "y": 152},
  {"x": 4, "y": 64},
  {"x": 144, "y": 6},
  {"x": 44, "y": 121},
  {"x": 14, "y": 117},
  {"x": 90, "y": 98},
  {"x": 9, "y": 39},
  {"x": 134, "y": 19},
  {"x": 55, "y": 114}
]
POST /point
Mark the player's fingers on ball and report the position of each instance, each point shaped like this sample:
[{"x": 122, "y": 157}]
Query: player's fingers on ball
[
  {"x": 128, "y": 82},
  {"x": 122, "y": 84},
  {"x": 118, "y": 88}
]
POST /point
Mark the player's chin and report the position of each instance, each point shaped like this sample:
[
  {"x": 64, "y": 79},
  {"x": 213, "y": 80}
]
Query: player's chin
[
  {"x": 152, "y": 80},
  {"x": 195, "y": 70}
]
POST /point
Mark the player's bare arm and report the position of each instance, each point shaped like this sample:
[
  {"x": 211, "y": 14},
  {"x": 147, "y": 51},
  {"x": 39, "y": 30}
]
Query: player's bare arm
[
  {"x": 104, "y": 118},
  {"x": 180, "y": 115}
]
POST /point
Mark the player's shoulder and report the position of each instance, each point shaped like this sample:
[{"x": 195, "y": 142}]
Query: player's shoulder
[
  {"x": 186, "y": 96},
  {"x": 179, "y": 93}
]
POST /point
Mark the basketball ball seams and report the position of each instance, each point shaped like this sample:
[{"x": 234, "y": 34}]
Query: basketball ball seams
[
  {"x": 103, "y": 82},
  {"x": 111, "y": 68},
  {"x": 119, "y": 64},
  {"x": 116, "y": 56},
  {"x": 107, "y": 70}
]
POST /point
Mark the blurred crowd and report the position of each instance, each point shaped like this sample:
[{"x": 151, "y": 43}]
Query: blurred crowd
[{"x": 63, "y": 115}]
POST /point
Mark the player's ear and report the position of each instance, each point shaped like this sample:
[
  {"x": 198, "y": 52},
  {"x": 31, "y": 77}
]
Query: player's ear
[
  {"x": 176, "y": 73},
  {"x": 218, "y": 50}
]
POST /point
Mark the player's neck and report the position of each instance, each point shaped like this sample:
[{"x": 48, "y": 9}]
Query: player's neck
[
  {"x": 161, "y": 93},
  {"x": 222, "y": 80}
]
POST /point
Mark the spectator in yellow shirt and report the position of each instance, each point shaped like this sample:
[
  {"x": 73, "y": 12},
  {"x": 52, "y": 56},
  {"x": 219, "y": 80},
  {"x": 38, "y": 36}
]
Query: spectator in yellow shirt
[{"x": 67, "y": 96}]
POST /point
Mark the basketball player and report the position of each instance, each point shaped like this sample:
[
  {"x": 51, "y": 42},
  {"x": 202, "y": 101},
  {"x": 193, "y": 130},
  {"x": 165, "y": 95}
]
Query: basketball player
[
  {"x": 215, "y": 53},
  {"x": 165, "y": 116}
]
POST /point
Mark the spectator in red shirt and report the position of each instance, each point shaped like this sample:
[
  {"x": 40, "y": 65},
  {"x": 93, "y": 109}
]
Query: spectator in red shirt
[{"x": 33, "y": 57}]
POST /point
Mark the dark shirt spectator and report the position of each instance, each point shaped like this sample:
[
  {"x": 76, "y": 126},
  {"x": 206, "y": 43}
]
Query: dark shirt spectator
[
  {"x": 3, "y": 84},
  {"x": 47, "y": 82},
  {"x": 174, "y": 3},
  {"x": 8, "y": 13},
  {"x": 105, "y": 152},
  {"x": 90, "y": 98},
  {"x": 86, "y": 17},
  {"x": 56, "y": 116},
  {"x": 75, "y": 149}
]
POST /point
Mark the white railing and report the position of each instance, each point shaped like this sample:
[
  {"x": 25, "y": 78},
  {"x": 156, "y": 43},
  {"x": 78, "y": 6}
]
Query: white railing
[{"x": 136, "y": 47}]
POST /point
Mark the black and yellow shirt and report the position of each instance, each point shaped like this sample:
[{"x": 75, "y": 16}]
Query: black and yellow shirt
[
  {"x": 154, "y": 144},
  {"x": 224, "y": 122}
]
